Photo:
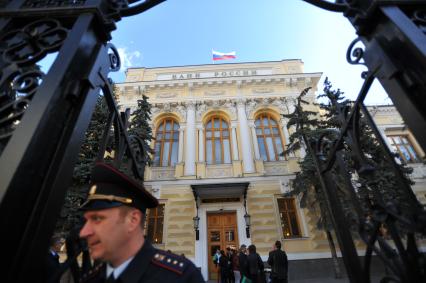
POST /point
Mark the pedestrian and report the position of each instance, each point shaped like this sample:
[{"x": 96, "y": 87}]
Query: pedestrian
[
  {"x": 216, "y": 257},
  {"x": 114, "y": 230},
  {"x": 231, "y": 277},
  {"x": 255, "y": 266},
  {"x": 224, "y": 267},
  {"x": 235, "y": 266},
  {"x": 242, "y": 262},
  {"x": 279, "y": 264},
  {"x": 53, "y": 265}
]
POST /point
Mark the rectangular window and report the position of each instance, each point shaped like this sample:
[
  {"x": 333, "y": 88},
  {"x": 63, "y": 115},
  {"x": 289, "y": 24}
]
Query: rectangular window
[
  {"x": 154, "y": 224},
  {"x": 402, "y": 146},
  {"x": 288, "y": 215}
]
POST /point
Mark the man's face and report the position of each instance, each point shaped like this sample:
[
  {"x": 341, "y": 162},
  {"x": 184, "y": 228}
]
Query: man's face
[{"x": 106, "y": 232}]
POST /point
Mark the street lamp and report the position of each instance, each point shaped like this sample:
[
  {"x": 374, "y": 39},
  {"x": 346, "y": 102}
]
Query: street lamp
[
  {"x": 247, "y": 220},
  {"x": 196, "y": 220}
]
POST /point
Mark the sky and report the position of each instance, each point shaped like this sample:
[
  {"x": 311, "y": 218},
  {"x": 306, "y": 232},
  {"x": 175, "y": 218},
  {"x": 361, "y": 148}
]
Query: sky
[{"x": 184, "y": 32}]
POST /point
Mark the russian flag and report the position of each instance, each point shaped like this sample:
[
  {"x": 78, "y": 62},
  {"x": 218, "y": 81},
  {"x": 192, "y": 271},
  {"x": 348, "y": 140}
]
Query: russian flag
[{"x": 223, "y": 56}]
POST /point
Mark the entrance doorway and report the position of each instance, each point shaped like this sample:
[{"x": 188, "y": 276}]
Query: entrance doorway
[{"x": 222, "y": 232}]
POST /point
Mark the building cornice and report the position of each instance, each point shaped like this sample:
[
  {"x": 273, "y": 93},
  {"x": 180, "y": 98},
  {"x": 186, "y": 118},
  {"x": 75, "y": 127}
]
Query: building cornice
[{"x": 306, "y": 79}]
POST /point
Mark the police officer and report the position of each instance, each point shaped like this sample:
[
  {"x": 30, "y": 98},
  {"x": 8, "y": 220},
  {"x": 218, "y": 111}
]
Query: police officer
[{"x": 114, "y": 213}]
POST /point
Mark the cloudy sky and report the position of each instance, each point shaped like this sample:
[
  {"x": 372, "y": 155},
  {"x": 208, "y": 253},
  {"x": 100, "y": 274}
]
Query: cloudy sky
[{"x": 184, "y": 32}]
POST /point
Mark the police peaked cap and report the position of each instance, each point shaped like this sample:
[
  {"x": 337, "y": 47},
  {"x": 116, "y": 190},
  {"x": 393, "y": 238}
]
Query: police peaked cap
[{"x": 110, "y": 188}]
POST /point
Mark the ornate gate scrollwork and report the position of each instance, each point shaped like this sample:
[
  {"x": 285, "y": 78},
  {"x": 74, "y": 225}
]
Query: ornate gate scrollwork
[{"x": 43, "y": 117}]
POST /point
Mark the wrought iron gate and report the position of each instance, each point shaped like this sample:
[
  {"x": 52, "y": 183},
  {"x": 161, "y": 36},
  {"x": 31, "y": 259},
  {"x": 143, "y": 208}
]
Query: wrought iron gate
[
  {"x": 394, "y": 36},
  {"x": 43, "y": 117}
]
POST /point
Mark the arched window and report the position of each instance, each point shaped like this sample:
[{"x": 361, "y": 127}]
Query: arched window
[
  {"x": 218, "y": 146},
  {"x": 268, "y": 138},
  {"x": 166, "y": 143}
]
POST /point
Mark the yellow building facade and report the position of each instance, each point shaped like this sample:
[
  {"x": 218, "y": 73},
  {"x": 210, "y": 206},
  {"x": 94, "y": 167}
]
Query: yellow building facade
[{"x": 219, "y": 132}]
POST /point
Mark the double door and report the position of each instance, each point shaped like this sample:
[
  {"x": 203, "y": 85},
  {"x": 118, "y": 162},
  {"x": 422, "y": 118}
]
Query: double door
[{"x": 222, "y": 233}]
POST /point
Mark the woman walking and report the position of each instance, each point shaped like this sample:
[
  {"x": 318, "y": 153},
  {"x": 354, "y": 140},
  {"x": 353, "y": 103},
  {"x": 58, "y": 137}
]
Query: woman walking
[{"x": 255, "y": 267}]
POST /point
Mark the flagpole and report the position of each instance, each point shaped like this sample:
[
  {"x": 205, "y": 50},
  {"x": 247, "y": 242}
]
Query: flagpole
[{"x": 212, "y": 56}]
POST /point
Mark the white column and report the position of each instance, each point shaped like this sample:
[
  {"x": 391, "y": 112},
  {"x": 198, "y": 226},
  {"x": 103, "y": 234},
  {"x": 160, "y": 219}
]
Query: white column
[
  {"x": 285, "y": 131},
  {"x": 234, "y": 142},
  {"x": 248, "y": 164},
  {"x": 383, "y": 134},
  {"x": 190, "y": 140},
  {"x": 286, "y": 136},
  {"x": 302, "y": 149},
  {"x": 255, "y": 143},
  {"x": 180, "y": 152},
  {"x": 200, "y": 144}
]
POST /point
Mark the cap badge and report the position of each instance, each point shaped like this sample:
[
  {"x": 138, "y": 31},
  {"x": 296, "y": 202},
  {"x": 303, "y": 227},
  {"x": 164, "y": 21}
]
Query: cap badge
[{"x": 92, "y": 190}]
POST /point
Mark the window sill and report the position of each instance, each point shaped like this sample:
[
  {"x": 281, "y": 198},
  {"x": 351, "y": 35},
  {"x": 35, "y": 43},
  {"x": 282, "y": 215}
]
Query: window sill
[{"x": 295, "y": 238}]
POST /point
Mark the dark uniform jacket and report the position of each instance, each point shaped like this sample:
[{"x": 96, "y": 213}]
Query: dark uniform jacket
[
  {"x": 279, "y": 265},
  {"x": 150, "y": 265}
]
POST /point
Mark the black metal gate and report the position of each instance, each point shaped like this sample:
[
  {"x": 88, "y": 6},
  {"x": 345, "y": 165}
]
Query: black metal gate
[
  {"x": 394, "y": 36},
  {"x": 43, "y": 117}
]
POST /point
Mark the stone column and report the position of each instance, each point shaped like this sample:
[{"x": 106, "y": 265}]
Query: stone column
[
  {"x": 255, "y": 143},
  {"x": 200, "y": 144},
  {"x": 234, "y": 141},
  {"x": 248, "y": 164},
  {"x": 385, "y": 138},
  {"x": 180, "y": 152},
  {"x": 283, "y": 123},
  {"x": 285, "y": 130},
  {"x": 190, "y": 140}
]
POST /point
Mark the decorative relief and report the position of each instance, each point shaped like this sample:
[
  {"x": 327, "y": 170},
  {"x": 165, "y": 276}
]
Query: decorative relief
[
  {"x": 181, "y": 109},
  {"x": 250, "y": 107},
  {"x": 166, "y": 95},
  {"x": 154, "y": 110},
  {"x": 155, "y": 191},
  {"x": 230, "y": 106},
  {"x": 169, "y": 107},
  {"x": 280, "y": 103},
  {"x": 166, "y": 107},
  {"x": 275, "y": 168},
  {"x": 163, "y": 173},
  {"x": 201, "y": 109},
  {"x": 219, "y": 171},
  {"x": 190, "y": 105},
  {"x": 214, "y": 93},
  {"x": 263, "y": 90},
  {"x": 286, "y": 185}
]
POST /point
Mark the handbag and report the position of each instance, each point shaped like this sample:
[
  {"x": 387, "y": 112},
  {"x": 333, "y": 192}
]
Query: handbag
[{"x": 246, "y": 280}]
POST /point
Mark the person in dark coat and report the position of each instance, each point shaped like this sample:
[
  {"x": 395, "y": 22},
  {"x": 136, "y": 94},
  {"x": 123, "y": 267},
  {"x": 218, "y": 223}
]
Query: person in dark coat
[
  {"x": 255, "y": 267},
  {"x": 229, "y": 254},
  {"x": 242, "y": 261},
  {"x": 114, "y": 231},
  {"x": 53, "y": 266},
  {"x": 224, "y": 267},
  {"x": 279, "y": 264}
]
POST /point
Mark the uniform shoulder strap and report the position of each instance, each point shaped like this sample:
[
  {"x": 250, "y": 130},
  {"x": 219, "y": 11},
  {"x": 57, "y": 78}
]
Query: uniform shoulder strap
[{"x": 170, "y": 261}]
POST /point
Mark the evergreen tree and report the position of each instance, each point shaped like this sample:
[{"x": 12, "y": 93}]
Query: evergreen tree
[
  {"x": 140, "y": 130},
  {"x": 77, "y": 193},
  {"x": 306, "y": 183}
]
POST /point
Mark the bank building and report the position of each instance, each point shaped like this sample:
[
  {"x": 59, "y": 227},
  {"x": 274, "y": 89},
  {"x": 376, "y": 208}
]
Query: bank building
[{"x": 217, "y": 169}]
